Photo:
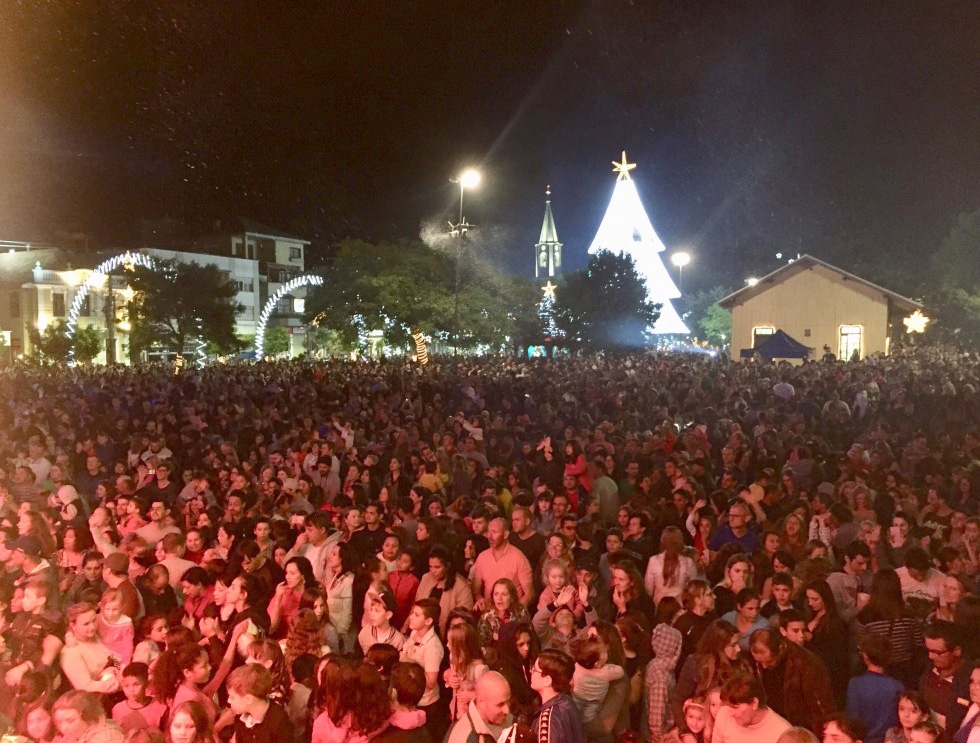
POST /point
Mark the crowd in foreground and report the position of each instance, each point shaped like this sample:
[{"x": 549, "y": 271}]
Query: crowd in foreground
[{"x": 666, "y": 548}]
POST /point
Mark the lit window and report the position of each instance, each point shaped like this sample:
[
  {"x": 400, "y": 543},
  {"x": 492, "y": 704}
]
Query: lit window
[
  {"x": 761, "y": 333},
  {"x": 850, "y": 342},
  {"x": 299, "y": 305},
  {"x": 295, "y": 254}
]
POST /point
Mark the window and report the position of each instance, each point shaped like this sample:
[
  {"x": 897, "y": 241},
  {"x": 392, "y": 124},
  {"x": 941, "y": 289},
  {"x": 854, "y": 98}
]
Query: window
[
  {"x": 850, "y": 342},
  {"x": 295, "y": 254},
  {"x": 761, "y": 333},
  {"x": 14, "y": 306},
  {"x": 244, "y": 286},
  {"x": 58, "y": 304},
  {"x": 806, "y": 333},
  {"x": 284, "y": 306}
]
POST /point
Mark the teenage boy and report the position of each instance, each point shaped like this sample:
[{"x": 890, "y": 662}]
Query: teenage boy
[
  {"x": 423, "y": 646},
  {"x": 377, "y": 623}
]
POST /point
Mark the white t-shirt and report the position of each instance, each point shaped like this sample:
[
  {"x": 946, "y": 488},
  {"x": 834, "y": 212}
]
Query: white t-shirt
[
  {"x": 767, "y": 730},
  {"x": 926, "y": 591}
]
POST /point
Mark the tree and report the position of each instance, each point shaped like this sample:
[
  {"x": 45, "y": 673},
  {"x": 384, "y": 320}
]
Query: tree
[
  {"x": 605, "y": 305},
  {"x": 955, "y": 302},
  {"x": 53, "y": 345},
  {"x": 709, "y": 322},
  {"x": 276, "y": 342},
  {"x": 176, "y": 302}
]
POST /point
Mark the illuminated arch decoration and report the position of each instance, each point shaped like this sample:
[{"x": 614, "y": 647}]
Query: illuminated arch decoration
[
  {"x": 98, "y": 277},
  {"x": 270, "y": 306},
  {"x": 421, "y": 349}
]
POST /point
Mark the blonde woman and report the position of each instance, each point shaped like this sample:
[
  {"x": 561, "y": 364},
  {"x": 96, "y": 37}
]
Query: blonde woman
[{"x": 669, "y": 571}]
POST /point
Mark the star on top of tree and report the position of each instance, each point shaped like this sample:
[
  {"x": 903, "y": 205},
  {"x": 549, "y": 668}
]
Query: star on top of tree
[
  {"x": 549, "y": 290},
  {"x": 916, "y": 322},
  {"x": 623, "y": 168}
]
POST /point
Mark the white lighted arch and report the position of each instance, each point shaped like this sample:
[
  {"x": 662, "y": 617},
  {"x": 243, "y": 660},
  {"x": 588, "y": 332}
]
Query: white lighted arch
[
  {"x": 270, "y": 306},
  {"x": 98, "y": 278}
]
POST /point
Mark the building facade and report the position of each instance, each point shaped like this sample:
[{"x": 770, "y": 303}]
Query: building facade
[{"x": 821, "y": 306}]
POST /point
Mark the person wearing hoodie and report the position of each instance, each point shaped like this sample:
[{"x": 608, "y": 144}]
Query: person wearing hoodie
[
  {"x": 666, "y": 643},
  {"x": 407, "y": 688},
  {"x": 558, "y": 720}
]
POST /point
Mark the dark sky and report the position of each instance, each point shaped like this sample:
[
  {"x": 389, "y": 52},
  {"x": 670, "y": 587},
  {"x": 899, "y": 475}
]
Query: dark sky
[{"x": 849, "y": 130}]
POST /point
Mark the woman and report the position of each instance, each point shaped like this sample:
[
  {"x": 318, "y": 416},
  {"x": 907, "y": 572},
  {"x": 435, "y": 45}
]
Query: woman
[
  {"x": 315, "y": 599},
  {"x": 556, "y": 548},
  {"x": 746, "y": 617},
  {"x": 716, "y": 659},
  {"x": 506, "y": 607},
  {"x": 88, "y": 663},
  {"x": 699, "y": 613},
  {"x": 466, "y": 665},
  {"x": 339, "y": 583},
  {"x": 75, "y": 543},
  {"x": 969, "y": 731},
  {"x": 613, "y": 716},
  {"x": 885, "y": 614},
  {"x": 637, "y": 652},
  {"x": 899, "y": 540},
  {"x": 738, "y": 575},
  {"x": 861, "y": 505},
  {"x": 794, "y": 536},
  {"x": 828, "y": 635},
  {"x": 32, "y": 524},
  {"x": 629, "y": 597},
  {"x": 701, "y": 525},
  {"x": 355, "y": 703},
  {"x": 298, "y": 574},
  {"x": 189, "y": 723},
  {"x": 669, "y": 572},
  {"x": 443, "y": 583},
  {"x": 428, "y": 534},
  {"x": 953, "y": 590},
  {"x": 513, "y": 657}
]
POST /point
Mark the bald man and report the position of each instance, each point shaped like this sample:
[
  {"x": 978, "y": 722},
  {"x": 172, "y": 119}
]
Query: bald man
[
  {"x": 502, "y": 560},
  {"x": 488, "y": 713}
]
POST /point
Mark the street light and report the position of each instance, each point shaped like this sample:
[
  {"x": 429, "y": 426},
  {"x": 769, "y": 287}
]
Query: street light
[
  {"x": 469, "y": 178},
  {"x": 751, "y": 281},
  {"x": 680, "y": 260}
]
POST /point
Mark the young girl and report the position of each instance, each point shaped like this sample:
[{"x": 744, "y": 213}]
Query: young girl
[
  {"x": 912, "y": 709},
  {"x": 315, "y": 599},
  {"x": 115, "y": 628},
  {"x": 179, "y": 675},
  {"x": 266, "y": 652},
  {"x": 404, "y": 584},
  {"x": 303, "y": 638},
  {"x": 695, "y": 720},
  {"x": 466, "y": 665},
  {"x": 151, "y": 638},
  {"x": 555, "y": 574}
]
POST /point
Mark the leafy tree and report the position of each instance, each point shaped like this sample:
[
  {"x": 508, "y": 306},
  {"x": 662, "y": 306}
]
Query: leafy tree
[
  {"x": 179, "y": 301},
  {"x": 604, "y": 306},
  {"x": 715, "y": 325},
  {"x": 957, "y": 262},
  {"x": 276, "y": 342},
  {"x": 707, "y": 320},
  {"x": 54, "y": 345}
]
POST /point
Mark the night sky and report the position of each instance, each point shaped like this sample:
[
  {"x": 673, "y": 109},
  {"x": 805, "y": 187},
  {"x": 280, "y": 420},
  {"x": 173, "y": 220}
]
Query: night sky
[{"x": 847, "y": 130}]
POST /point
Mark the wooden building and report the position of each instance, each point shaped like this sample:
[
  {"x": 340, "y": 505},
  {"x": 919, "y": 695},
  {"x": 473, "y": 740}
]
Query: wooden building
[{"x": 818, "y": 305}]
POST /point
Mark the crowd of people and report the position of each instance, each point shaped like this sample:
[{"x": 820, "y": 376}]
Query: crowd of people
[{"x": 665, "y": 548}]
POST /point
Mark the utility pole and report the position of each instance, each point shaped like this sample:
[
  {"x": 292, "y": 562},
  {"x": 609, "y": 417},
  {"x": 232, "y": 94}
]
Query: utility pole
[{"x": 110, "y": 323}]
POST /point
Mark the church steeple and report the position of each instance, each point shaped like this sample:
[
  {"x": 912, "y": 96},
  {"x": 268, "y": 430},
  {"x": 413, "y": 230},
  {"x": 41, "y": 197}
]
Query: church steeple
[{"x": 547, "y": 251}]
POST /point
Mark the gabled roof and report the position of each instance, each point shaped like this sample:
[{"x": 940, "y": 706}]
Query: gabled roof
[
  {"x": 804, "y": 263},
  {"x": 549, "y": 233}
]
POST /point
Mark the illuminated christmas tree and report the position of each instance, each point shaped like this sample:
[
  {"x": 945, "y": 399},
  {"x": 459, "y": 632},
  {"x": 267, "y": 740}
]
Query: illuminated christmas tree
[{"x": 626, "y": 228}]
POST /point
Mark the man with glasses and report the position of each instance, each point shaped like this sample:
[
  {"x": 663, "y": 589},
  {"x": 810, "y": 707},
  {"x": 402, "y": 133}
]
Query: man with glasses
[
  {"x": 736, "y": 530},
  {"x": 948, "y": 678}
]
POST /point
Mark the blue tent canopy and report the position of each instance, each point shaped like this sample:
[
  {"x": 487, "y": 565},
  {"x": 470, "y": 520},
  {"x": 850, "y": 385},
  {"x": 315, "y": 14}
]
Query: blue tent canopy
[{"x": 779, "y": 345}]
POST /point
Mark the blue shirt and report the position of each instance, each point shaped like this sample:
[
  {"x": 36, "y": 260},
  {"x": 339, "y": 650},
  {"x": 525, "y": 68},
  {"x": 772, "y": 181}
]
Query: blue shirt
[{"x": 872, "y": 698}]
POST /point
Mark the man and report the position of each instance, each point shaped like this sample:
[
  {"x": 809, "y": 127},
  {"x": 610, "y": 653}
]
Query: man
[
  {"x": 793, "y": 627},
  {"x": 524, "y": 537},
  {"x": 115, "y": 573},
  {"x": 40, "y": 465},
  {"x": 170, "y": 554},
  {"x": 235, "y": 506},
  {"x": 843, "y": 729},
  {"x": 367, "y": 541},
  {"x": 314, "y": 544},
  {"x": 744, "y": 716},
  {"x": 736, "y": 530},
  {"x": 158, "y": 527},
  {"x": 921, "y": 583},
  {"x": 604, "y": 491},
  {"x": 502, "y": 560},
  {"x": 488, "y": 713},
  {"x": 629, "y": 484},
  {"x": 845, "y": 584},
  {"x": 796, "y": 681},
  {"x": 162, "y": 488},
  {"x": 638, "y": 540},
  {"x": 948, "y": 679},
  {"x": 88, "y": 481},
  {"x": 560, "y": 508},
  {"x": 26, "y": 555},
  {"x": 24, "y": 489},
  {"x": 782, "y": 598}
]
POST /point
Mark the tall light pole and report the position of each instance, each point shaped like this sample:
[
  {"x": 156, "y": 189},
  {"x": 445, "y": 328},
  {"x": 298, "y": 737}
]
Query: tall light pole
[
  {"x": 680, "y": 260},
  {"x": 469, "y": 178}
]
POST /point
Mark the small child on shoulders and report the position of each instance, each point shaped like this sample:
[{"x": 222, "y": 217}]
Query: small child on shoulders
[{"x": 590, "y": 683}]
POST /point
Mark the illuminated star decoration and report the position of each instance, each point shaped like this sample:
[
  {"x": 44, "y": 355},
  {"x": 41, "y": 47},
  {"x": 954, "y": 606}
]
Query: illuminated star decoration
[
  {"x": 916, "y": 322},
  {"x": 549, "y": 290},
  {"x": 623, "y": 168}
]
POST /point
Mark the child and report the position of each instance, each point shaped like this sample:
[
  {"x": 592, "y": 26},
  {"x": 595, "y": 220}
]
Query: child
[
  {"x": 256, "y": 717},
  {"x": 267, "y": 653},
  {"x": 151, "y": 638},
  {"x": 592, "y": 676},
  {"x": 407, "y": 688},
  {"x": 377, "y": 623},
  {"x": 383, "y": 657},
  {"x": 389, "y": 552},
  {"x": 423, "y": 646},
  {"x": 466, "y": 665},
  {"x": 404, "y": 584},
  {"x": 912, "y": 709},
  {"x": 115, "y": 628},
  {"x": 39, "y": 725},
  {"x": 137, "y": 711},
  {"x": 695, "y": 720},
  {"x": 555, "y": 574},
  {"x": 926, "y": 732},
  {"x": 298, "y": 708},
  {"x": 32, "y": 693},
  {"x": 872, "y": 696}
]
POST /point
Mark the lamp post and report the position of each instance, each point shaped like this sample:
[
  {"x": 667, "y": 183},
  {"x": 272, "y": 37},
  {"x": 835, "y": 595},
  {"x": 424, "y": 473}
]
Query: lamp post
[
  {"x": 680, "y": 260},
  {"x": 469, "y": 178}
]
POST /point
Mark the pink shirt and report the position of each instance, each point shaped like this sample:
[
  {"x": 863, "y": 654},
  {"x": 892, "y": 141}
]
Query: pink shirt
[{"x": 510, "y": 563}]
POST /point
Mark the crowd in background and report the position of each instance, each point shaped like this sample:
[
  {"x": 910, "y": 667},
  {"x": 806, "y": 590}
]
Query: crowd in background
[{"x": 664, "y": 547}]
